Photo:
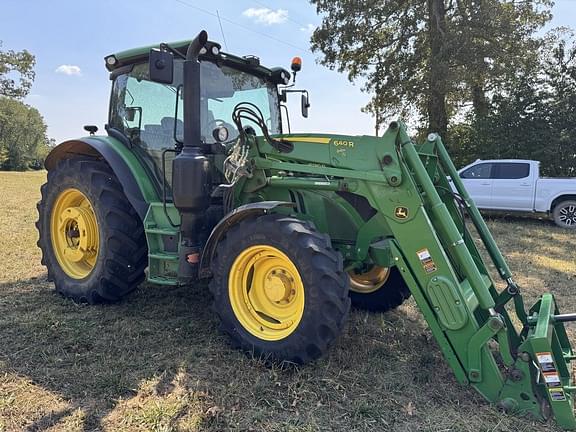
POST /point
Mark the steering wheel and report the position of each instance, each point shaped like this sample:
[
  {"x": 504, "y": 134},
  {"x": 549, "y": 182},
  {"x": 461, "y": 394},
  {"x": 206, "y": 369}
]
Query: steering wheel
[{"x": 232, "y": 131}]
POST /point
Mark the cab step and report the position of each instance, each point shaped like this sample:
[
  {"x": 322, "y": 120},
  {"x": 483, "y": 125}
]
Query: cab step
[
  {"x": 159, "y": 280},
  {"x": 163, "y": 243},
  {"x": 163, "y": 256},
  {"x": 162, "y": 231}
]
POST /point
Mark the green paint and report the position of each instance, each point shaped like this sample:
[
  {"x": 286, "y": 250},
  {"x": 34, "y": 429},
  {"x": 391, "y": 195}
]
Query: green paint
[
  {"x": 163, "y": 243},
  {"x": 145, "y": 182}
]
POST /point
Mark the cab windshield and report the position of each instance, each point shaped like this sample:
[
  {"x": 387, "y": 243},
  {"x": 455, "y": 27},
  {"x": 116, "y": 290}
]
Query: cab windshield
[
  {"x": 153, "y": 112},
  {"x": 223, "y": 88}
]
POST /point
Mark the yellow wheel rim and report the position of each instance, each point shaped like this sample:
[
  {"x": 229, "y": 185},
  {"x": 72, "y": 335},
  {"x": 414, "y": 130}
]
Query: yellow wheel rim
[
  {"x": 74, "y": 233},
  {"x": 370, "y": 281},
  {"x": 266, "y": 292}
]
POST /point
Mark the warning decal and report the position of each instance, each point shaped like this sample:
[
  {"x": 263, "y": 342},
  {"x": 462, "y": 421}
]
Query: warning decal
[
  {"x": 557, "y": 394},
  {"x": 426, "y": 260},
  {"x": 552, "y": 379},
  {"x": 546, "y": 362}
]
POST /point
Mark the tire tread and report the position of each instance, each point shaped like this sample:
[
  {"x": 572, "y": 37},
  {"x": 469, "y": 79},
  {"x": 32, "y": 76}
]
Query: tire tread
[{"x": 126, "y": 246}]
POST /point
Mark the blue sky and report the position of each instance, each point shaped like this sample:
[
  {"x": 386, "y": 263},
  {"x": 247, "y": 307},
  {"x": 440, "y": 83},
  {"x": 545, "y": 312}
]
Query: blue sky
[{"x": 70, "y": 39}]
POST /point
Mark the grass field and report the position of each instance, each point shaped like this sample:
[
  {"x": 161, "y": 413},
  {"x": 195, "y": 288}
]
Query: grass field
[{"x": 157, "y": 362}]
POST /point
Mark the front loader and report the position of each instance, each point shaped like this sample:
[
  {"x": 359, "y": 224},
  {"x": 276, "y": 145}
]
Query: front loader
[{"x": 196, "y": 178}]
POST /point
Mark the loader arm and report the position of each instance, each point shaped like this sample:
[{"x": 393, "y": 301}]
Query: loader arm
[
  {"x": 520, "y": 361},
  {"x": 533, "y": 374}
]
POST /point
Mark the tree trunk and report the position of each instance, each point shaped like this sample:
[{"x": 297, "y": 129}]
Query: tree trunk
[
  {"x": 479, "y": 101},
  {"x": 437, "y": 70}
]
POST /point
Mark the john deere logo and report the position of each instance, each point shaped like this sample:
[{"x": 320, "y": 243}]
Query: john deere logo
[{"x": 401, "y": 212}]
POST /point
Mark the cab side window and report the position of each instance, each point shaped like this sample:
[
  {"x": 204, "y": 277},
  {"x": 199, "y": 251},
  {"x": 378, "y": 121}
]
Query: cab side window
[{"x": 144, "y": 111}]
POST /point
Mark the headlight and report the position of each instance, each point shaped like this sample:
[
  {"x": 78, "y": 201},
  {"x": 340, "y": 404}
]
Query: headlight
[
  {"x": 111, "y": 60},
  {"x": 220, "y": 134}
]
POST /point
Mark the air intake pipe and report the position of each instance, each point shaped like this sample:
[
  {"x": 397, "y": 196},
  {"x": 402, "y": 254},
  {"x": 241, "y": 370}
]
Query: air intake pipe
[{"x": 191, "y": 170}]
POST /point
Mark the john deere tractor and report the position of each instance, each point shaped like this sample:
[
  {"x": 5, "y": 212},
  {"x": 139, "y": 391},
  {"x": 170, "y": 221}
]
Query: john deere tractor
[{"x": 196, "y": 178}]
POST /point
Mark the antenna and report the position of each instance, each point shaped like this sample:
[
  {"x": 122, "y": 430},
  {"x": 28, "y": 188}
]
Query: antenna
[
  {"x": 222, "y": 30},
  {"x": 243, "y": 27}
]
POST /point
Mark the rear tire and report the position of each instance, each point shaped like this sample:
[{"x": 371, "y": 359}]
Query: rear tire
[
  {"x": 256, "y": 251},
  {"x": 564, "y": 214},
  {"x": 389, "y": 296},
  {"x": 118, "y": 244}
]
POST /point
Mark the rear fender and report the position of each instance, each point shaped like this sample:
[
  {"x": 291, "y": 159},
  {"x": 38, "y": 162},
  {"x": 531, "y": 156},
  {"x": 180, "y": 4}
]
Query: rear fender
[
  {"x": 139, "y": 187},
  {"x": 234, "y": 217},
  {"x": 568, "y": 195}
]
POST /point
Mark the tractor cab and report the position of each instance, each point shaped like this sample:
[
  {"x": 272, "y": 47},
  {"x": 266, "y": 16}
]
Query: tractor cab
[{"x": 147, "y": 100}]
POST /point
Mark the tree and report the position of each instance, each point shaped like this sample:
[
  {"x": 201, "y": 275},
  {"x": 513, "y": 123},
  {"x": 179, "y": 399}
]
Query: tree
[
  {"x": 428, "y": 59},
  {"x": 532, "y": 117},
  {"x": 23, "y": 141},
  {"x": 559, "y": 101},
  {"x": 20, "y": 63}
]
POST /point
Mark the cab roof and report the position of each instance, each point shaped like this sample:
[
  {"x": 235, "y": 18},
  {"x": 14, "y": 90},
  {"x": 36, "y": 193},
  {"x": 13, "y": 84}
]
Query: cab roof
[{"x": 249, "y": 64}]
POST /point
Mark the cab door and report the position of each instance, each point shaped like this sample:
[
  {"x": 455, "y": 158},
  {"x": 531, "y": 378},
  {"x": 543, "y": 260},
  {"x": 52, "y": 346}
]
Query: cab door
[{"x": 478, "y": 180}]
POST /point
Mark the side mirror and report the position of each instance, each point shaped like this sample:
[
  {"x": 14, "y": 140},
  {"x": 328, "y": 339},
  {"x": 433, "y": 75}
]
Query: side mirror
[
  {"x": 130, "y": 113},
  {"x": 91, "y": 128},
  {"x": 161, "y": 66},
  {"x": 304, "y": 104}
]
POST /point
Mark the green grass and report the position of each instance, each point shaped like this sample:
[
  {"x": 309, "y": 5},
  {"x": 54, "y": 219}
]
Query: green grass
[{"x": 157, "y": 362}]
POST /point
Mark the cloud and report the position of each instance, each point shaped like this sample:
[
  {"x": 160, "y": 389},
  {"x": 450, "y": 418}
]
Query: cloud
[
  {"x": 267, "y": 16},
  {"x": 308, "y": 29},
  {"x": 69, "y": 70}
]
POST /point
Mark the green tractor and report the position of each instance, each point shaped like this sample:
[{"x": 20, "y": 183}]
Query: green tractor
[{"x": 197, "y": 179}]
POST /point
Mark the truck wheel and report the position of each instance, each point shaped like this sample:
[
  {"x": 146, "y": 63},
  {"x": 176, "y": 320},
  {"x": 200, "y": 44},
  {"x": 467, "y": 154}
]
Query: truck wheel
[
  {"x": 379, "y": 290},
  {"x": 279, "y": 289},
  {"x": 565, "y": 214},
  {"x": 92, "y": 240}
]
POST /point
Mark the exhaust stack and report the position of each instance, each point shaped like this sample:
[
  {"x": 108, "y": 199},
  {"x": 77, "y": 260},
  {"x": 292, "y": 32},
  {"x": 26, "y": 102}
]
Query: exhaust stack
[{"x": 191, "y": 181}]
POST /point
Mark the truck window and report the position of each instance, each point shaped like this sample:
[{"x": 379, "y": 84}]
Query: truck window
[
  {"x": 512, "y": 170},
  {"x": 480, "y": 171}
]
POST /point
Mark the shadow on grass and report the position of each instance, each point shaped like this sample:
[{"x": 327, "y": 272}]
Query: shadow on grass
[
  {"x": 121, "y": 365},
  {"x": 156, "y": 361},
  {"x": 47, "y": 421},
  {"x": 93, "y": 356}
]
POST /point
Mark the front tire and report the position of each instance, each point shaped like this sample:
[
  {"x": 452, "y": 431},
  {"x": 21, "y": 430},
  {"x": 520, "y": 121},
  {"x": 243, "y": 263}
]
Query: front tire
[
  {"x": 564, "y": 214},
  {"x": 279, "y": 289},
  {"x": 381, "y": 293},
  {"x": 92, "y": 241}
]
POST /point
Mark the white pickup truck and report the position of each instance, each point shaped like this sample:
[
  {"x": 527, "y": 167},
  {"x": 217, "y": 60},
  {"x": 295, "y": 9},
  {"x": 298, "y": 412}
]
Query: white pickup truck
[{"x": 516, "y": 185}]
